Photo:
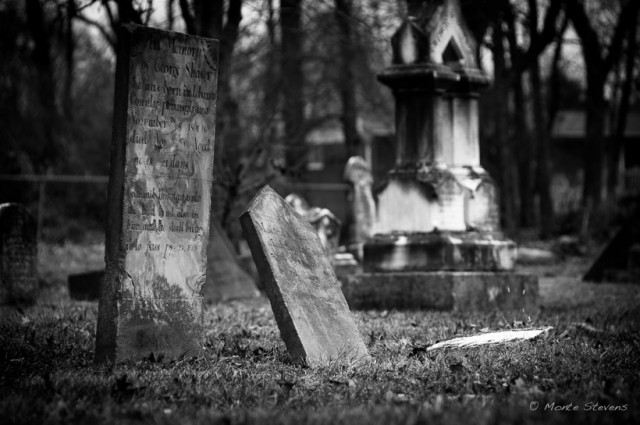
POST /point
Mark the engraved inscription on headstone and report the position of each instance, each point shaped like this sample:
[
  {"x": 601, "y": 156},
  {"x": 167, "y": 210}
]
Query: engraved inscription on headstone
[
  {"x": 18, "y": 249},
  {"x": 310, "y": 309},
  {"x": 159, "y": 196}
]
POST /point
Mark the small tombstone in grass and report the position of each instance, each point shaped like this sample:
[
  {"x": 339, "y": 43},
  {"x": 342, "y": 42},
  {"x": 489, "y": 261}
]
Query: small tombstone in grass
[
  {"x": 310, "y": 309},
  {"x": 18, "y": 254},
  {"x": 159, "y": 196}
]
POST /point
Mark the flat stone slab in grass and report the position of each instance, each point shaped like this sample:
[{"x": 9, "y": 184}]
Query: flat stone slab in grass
[
  {"x": 159, "y": 196},
  {"x": 447, "y": 291},
  {"x": 18, "y": 255},
  {"x": 492, "y": 338},
  {"x": 310, "y": 309}
]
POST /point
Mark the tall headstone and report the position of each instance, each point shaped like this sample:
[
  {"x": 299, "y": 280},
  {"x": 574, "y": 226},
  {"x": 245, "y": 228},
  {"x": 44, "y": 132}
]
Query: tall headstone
[
  {"x": 437, "y": 237},
  {"x": 159, "y": 196},
  {"x": 310, "y": 309},
  {"x": 18, "y": 255}
]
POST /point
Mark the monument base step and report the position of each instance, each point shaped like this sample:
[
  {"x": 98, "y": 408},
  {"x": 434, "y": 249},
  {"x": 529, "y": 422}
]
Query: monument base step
[
  {"x": 454, "y": 251},
  {"x": 447, "y": 291}
]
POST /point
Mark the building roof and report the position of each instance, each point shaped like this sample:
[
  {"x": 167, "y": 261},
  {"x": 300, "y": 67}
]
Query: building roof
[{"x": 570, "y": 124}]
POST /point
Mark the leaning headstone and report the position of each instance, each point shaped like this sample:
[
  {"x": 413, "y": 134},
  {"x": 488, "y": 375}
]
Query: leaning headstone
[
  {"x": 310, "y": 309},
  {"x": 226, "y": 280},
  {"x": 159, "y": 196},
  {"x": 18, "y": 253}
]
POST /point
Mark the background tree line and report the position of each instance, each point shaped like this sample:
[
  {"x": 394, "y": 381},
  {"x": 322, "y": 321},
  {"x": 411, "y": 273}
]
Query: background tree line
[{"x": 289, "y": 66}]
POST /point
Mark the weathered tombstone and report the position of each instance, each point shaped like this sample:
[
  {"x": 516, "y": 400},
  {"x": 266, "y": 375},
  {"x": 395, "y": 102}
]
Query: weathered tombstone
[
  {"x": 159, "y": 196},
  {"x": 310, "y": 309},
  {"x": 18, "y": 254},
  {"x": 226, "y": 280},
  {"x": 437, "y": 241}
]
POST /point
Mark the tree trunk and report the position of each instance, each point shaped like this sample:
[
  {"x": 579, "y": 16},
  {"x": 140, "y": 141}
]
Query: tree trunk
[
  {"x": 521, "y": 130},
  {"x": 508, "y": 178},
  {"x": 543, "y": 172},
  {"x": 293, "y": 87},
  {"x": 554, "y": 84},
  {"x": 272, "y": 82},
  {"x": 70, "y": 47},
  {"x": 623, "y": 109},
  {"x": 543, "y": 179},
  {"x": 347, "y": 79},
  {"x": 595, "y": 147},
  {"x": 127, "y": 13},
  {"x": 598, "y": 66},
  {"x": 208, "y": 20},
  {"x": 46, "y": 83},
  {"x": 170, "y": 15}
]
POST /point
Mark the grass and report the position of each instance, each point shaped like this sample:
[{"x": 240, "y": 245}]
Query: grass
[{"x": 591, "y": 356}]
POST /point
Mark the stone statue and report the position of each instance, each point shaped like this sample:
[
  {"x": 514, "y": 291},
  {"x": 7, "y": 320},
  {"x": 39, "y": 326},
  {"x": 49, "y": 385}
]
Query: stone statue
[
  {"x": 358, "y": 173},
  {"x": 327, "y": 225}
]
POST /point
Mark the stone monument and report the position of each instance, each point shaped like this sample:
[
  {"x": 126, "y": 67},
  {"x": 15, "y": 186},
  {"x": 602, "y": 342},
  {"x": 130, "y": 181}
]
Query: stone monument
[
  {"x": 325, "y": 222},
  {"x": 437, "y": 242},
  {"x": 226, "y": 280},
  {"x": 159, "y": 196},
  {"x": 18, "y": 255},
  {"x": 310, "y": 310}
]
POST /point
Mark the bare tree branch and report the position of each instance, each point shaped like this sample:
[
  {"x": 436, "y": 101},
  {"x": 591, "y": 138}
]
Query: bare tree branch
[
  {"x": 148, "y": 12},
  {"x": 112, "y": 20},
  {"x": 108, "y": 36},
  {"x": 628, "y": 17}
]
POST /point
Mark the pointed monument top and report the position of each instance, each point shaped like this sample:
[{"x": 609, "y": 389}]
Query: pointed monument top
[{"x": 435, "y": 32}]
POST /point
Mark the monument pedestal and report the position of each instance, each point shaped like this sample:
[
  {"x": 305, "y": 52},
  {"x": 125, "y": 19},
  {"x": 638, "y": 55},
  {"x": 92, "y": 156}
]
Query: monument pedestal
[
  {"x": 455, "y": 251},
  {"x": 445, "y": 291}
]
